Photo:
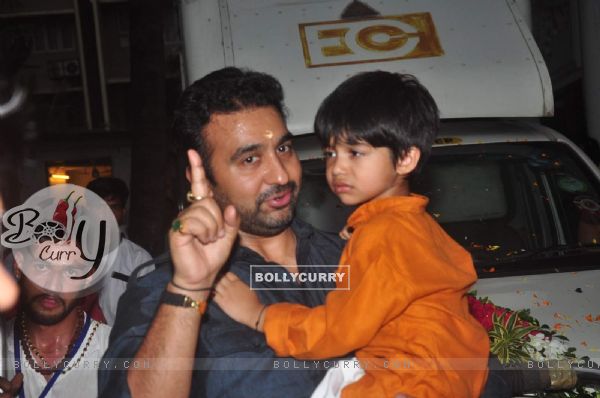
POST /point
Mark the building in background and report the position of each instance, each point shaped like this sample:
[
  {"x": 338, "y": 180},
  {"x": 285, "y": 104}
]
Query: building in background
[{"x": 78, "y": 76}]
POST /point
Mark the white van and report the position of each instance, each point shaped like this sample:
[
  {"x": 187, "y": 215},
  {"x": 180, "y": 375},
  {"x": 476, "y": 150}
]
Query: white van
[{"x": 523, "y": 199}]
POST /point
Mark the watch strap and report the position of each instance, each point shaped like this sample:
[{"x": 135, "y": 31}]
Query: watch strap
[{"x": 181, "y": 300}]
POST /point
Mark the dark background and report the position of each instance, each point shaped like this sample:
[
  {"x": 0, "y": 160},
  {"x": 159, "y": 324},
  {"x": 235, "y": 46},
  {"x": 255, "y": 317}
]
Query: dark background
[{"x": 103, "y": 79}]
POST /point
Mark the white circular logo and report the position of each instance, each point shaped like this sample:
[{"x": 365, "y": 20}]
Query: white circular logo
[{"x": 64, "y": 238}]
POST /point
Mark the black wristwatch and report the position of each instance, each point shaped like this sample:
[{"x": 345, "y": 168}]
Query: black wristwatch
[{"x": 180, "y": 300}]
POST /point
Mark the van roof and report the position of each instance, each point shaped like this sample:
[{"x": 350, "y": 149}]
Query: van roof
[{"x": 477, "y": 57}]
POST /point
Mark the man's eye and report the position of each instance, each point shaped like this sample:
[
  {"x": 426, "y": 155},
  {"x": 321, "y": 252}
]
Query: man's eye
[
  {"x": 250, "y": 160},
  {"x": 41, "y": 266},
  {"x": 285, "y": 148},
  {"x": 70, "y": 272}
]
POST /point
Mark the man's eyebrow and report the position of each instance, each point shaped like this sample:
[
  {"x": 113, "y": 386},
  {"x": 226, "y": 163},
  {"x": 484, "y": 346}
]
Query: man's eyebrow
[
  {"x": 284, "y": 138},
  {"x": 243, "y": 150}
]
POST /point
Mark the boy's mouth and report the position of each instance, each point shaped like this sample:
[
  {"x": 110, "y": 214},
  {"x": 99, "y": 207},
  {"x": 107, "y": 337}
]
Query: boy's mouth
[{"x": 339, "y": 187}]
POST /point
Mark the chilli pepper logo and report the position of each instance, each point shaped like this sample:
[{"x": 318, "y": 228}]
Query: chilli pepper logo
[{"x": 64, "y": 238}]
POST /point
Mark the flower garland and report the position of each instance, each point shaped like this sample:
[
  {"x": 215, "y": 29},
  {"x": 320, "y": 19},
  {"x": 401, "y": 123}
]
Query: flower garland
[{"x": 517, "y": 337}]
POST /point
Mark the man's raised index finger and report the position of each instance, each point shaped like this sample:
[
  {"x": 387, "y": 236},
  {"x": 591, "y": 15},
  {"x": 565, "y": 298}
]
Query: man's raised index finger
[{"x": 199, "y": 183}]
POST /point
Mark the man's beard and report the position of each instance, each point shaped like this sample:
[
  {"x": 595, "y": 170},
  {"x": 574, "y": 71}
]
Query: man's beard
[
  {"x": 254, "y": 221},
  {"x": 41, "y": 318}
]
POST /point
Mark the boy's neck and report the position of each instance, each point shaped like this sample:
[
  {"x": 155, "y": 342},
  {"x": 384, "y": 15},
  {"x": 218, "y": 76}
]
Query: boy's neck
[{"x": 400, "y": 188}]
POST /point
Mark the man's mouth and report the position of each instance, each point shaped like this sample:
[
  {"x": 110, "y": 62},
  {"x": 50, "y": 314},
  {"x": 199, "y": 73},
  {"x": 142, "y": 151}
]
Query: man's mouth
[
  {"x": 280, "y": 200},
  {"x": 49, "y": 302}
]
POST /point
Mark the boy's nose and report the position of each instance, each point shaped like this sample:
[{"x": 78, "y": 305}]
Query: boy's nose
[{"x": 337, "y": 165}]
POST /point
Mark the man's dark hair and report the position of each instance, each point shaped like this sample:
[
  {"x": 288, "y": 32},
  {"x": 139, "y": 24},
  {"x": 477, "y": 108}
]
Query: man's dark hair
[
  {"x": 384, "y": 109},
  {"x": 108, "y": 187},
  {"x": 224, "y": 91}
]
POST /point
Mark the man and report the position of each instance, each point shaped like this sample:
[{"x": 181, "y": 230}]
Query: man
[
  {"x": 52, "y": 344},
  {"x": 244, "y": 179},
  {"x": 234, "y": 120},
  {"x": 115, "y": 193}
]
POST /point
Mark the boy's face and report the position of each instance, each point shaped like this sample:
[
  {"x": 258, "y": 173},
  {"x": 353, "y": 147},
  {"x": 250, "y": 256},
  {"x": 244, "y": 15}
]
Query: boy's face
[{"x": 359, "y": 172}]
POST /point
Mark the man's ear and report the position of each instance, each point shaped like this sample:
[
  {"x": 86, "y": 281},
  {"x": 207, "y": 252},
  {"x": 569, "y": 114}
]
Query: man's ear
[
  {"x": 407, "y": 163},
  {"x": 18, "y": 259}
]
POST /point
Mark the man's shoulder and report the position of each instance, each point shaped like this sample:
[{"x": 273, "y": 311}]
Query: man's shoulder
[
  {"x": 316, "y": 237},
  {"x": 160, "y": 276},
  {"x": 134, "y": 249}
]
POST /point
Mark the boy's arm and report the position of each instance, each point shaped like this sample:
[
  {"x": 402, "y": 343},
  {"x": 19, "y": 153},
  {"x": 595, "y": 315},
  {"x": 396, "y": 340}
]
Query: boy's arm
[
  {"x": 239, "y": 302},
  {"x": 348, "y": 320}
]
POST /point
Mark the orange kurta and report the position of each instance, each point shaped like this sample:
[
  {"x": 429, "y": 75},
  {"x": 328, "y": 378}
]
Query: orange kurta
[{"x": 406, "y": 312}]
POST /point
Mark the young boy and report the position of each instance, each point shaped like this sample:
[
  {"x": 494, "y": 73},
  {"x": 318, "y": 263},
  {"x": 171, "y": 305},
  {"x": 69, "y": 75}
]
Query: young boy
[{"x": 406, "y": 315}]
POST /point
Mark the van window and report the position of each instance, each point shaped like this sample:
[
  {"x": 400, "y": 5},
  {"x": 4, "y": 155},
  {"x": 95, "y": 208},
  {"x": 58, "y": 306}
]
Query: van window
[{"x": 499, "y": 201}]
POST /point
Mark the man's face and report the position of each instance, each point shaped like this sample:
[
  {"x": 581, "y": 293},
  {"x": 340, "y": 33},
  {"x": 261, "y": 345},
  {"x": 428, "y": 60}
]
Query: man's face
[
  {"x": 117, "y": 207},
  {"x": 255, "y": 168},
  {"x": 44, "y": 307}
]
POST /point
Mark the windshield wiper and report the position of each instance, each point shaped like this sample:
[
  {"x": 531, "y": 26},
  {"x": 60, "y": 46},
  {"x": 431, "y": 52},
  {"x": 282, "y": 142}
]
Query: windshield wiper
[{"x": 560, "y": 250}]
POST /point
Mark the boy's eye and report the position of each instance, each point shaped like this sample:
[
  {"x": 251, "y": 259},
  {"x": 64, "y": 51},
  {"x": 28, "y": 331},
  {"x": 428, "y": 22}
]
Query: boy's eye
[
  {"x": 329, "y": 153},
  {"x": 355, "y": 153}
]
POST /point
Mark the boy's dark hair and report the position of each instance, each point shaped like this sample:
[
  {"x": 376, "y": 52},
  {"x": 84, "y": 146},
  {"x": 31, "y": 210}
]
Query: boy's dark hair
[
  {"x": 107, "y": 187},
  {"x": 226, "y": 90},
  {"x": 384, "y": 109}
]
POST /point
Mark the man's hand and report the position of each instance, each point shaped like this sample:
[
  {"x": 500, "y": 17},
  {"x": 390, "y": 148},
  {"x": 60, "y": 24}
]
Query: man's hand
[
  {"x": 238, "y": 301},
  {"x": 205, "y": 237},
  {"x": 11, "y": 388}
]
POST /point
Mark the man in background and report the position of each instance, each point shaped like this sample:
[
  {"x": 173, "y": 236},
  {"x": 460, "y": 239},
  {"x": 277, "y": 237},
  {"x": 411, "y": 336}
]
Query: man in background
[
  {"x": 52, "y": 342},
  {"x": 115, "y": 193}
]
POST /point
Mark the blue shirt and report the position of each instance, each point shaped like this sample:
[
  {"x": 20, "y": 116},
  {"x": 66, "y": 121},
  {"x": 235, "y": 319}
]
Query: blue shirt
[{"x": 233, "y": 360}]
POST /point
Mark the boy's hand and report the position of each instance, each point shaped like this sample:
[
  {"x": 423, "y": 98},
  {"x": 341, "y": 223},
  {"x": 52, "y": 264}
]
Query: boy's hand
[
  {"x": 346, "y": 232},
  {"x": 237, "y": 300}
]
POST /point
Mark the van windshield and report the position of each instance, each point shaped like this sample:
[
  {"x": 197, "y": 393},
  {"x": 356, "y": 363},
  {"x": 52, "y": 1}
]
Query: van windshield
[{"x": 502, "y": 202}]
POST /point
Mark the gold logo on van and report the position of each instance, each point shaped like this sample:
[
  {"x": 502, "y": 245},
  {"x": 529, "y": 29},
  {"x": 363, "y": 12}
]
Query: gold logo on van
[{"x": 374, "y": 39}]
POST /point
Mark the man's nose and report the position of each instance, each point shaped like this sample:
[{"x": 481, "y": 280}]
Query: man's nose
[{"x": 276, "y": 171}]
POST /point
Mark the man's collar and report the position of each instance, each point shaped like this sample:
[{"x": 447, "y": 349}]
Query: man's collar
[{"x": 301, "y": 229}]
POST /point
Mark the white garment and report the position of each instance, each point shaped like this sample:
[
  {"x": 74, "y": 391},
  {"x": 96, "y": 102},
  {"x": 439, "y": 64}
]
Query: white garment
[
  {"x": 337, "y": 378},
  {"x": 129, "y": 257},
  {"x": 80, "y": 381}
]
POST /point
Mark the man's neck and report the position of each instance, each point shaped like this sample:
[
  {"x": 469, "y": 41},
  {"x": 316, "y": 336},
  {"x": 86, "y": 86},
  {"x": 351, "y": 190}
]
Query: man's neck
[
  {"x": 47, "y": 336},
  {"x": 280, "y": 249}
]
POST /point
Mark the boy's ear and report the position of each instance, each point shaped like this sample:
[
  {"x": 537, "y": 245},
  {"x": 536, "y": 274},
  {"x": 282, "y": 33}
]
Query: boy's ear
[{"x": 408, "y": 162}]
